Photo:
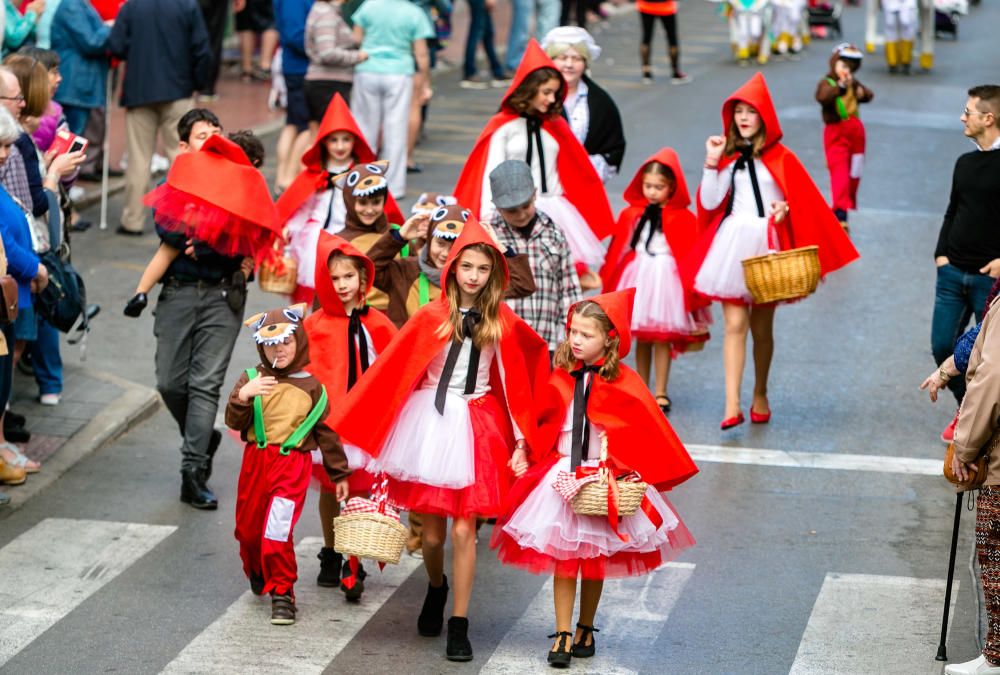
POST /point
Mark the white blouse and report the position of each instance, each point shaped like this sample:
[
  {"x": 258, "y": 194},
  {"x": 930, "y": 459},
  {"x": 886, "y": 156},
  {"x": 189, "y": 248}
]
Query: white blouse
[
  {"x": 566, "y": 434},
  {"x": 715, "y": 186},
  {"x": 510, "y": 141}
]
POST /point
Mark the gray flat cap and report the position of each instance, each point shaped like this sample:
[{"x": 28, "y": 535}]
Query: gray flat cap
[{"x": 512, "y": 184}]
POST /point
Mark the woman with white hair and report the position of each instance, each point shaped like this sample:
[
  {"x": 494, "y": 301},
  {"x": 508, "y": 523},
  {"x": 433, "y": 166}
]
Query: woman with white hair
[{"x": 591, "y": 112}]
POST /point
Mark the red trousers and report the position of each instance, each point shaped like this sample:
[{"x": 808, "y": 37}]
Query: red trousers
[
  {"x": 844, "y": 143},
  {"x": 269, "y": 500}
]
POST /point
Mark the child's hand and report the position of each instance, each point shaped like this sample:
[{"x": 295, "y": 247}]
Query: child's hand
[
  {"x": 779, "y": 210},
  {"x": 518, "y": 462},
  {"x": 259, "y": 386},
  {"x": 713, "y": 148},
  {"x": 343, "y": 490},
  {"x": 415, "y": 227}
]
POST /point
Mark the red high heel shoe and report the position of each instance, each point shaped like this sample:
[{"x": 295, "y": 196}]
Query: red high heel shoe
[
  {"x": 731, "y": 422},
  {"x": 760, "y": 418}
]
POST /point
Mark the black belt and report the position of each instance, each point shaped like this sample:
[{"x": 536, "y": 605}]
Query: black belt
[{"x": 175, "y": 282}]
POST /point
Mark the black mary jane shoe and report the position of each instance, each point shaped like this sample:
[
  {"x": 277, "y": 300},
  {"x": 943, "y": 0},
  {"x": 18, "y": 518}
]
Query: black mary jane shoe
[
  {"x": 664, "y": 407},
  {"x": 561, "y": 656},
  {"x": 581, "y": 649}
]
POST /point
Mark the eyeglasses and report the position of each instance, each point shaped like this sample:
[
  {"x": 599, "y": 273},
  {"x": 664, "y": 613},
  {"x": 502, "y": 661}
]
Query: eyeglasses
[
  {"x": 967, "y": 112},
  {"x": 19, "y": 98}
]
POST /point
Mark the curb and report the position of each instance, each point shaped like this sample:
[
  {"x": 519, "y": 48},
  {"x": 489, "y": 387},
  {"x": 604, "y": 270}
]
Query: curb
[{"x": 135, "y": 404}]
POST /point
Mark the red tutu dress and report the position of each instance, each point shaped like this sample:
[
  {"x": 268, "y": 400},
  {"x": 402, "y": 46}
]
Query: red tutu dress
[
  {"x": 649, "y": 241},
  {"x": 443, "y": 439},
  {"x": 216, "y": 196},
  {"x": 541, "y": 533},
  {"x": 338, "y": 339}
]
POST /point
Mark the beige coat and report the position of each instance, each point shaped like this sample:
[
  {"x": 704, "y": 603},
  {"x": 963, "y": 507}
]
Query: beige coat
[{"x": 979, "y": 419}]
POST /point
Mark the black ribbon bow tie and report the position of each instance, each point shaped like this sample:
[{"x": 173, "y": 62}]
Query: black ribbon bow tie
[
  {"x": 357, "y": 340},
  {"x": 581, "y": 423},
  {"x": 653, "y": 217},
  {"x": 535, "y": 139},
  {"x": 469, "y": 321},
  {"x": 745, "y": 161}
]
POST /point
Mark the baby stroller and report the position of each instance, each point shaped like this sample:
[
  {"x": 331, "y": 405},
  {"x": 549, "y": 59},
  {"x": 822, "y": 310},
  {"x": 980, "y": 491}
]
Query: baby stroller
[{"x": 824, "y": 18}]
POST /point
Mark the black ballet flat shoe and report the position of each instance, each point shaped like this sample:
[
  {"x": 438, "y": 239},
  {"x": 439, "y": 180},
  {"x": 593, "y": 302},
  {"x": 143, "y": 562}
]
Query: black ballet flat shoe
[
  {"x": 431, "y": 619},
  {"x": 581, "y": 649},
  {"x": 663, "y": 401},
  {"x": 136, "y": 304},
  {"x": 561, "y": 656},
  {"x": 459, "y": 648}
]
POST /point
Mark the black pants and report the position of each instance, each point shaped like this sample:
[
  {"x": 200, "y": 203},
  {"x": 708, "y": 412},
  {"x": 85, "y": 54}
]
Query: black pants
[
  {"x": 649, "y": 23},
  {"x": 215, "y": 13}
]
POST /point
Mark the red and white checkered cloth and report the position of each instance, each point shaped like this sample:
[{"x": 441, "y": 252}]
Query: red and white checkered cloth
[
  {"x": 362, "y": 505},
  {"x": 568, "y": 485}
]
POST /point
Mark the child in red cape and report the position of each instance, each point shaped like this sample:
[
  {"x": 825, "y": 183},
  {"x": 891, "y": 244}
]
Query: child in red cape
[
  {"x": 529, "y": 126},
  {"x": 654, "y": 232},
  {"x": 347, "y": 336},
  {"x": 593, "y": 400},
  {"x": 755, "y": 197},
  {"x": 313, "y": 203},
  {"x": 454, "y": 390}
]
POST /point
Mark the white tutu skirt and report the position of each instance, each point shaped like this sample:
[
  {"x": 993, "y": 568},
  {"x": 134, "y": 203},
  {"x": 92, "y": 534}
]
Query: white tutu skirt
[
  {"x": 302, "y": 241},
  {"x": 428, "y": 448},
  {"x": 546, "y": 523},
  {"x": 583, "y": 243},
  {"x": 658, "y": 311},
  {"x": 721, "y": 274}
]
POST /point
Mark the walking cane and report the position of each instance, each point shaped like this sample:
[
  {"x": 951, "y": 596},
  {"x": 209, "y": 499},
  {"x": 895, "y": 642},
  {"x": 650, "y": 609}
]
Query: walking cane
[
  {"x": 106, "y": 146},
  {"x": 942, "y": 652}
]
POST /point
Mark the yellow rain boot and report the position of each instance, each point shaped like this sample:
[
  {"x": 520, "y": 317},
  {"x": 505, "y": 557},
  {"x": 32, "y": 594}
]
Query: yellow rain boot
[
  {"x": 906, "y": 55},
  {"x": 870, "y": 47},
  {"x": 926, "y": 61},
  {"x": 891, "y": 57},
  {"x": 742, "y": 54}
]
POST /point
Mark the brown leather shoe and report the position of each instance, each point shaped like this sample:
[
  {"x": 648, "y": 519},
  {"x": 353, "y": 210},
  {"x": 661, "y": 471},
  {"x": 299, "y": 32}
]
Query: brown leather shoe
[
  {"x": 12, "y": 475},
  {"x": 282, "y": 610}
]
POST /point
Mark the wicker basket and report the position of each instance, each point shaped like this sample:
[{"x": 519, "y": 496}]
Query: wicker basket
[
  {"x": 370, "y": 535},
  {"x": 592, "y": 499},
  {"x": 787, "y": 275},
  {"x": 272, "y": 282}
]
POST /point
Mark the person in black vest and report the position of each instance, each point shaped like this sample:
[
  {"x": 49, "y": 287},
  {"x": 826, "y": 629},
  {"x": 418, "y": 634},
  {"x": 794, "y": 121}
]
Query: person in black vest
[
  {"x": 968, "y": 249},
  {"x": 591, "y": 112}
]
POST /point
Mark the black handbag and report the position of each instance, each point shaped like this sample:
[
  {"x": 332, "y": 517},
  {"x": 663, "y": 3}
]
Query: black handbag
[{"x": 63, "y": 300}]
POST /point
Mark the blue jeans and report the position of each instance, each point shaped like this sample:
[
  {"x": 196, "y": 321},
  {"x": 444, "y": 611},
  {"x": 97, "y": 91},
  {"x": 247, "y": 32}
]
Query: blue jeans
[
  {"x": 480, "y": 30},
  {"x": 46, "y": 359},
  {"x": 520, "y": 26},
  {"x": 958, "y": 296}
]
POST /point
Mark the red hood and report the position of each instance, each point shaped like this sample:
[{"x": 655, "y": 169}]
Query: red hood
[
  {"x": 472, "y": 233},
  {"x": 337, "y": 117},
  {"x": 327, "y": 246},
  {"x": 756, "y": 94},
  {"x": 221, "y": 175},
  {"x": 681, "y": 198},
  {"x": 618, "y": 306},
  {"x": 533, "y": 59}
]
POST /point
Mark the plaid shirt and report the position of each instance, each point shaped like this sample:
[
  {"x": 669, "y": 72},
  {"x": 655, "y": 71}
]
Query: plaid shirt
[{"x": 556, "y": 283}]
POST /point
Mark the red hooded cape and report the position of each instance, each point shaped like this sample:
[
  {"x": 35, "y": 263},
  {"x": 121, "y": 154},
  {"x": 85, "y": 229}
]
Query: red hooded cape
[
  {"x": 216, "y": 195},
  {"x": 679, "y": 224},
  {"x": 639, "y": 437},
  {"x": 809, "y": 221},
  {"x": 580, "y": 182},
  {"x": 372, "y": 406},
  {"x": 312, "y": 179}
]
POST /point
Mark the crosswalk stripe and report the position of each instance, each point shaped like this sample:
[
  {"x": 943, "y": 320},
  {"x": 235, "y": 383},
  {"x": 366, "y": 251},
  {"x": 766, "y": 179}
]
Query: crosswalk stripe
[
  {"x": 815, "y": 460},
  {"x": 864, "y": 623},
  {"x": 243, "y": 641},
  {"x": 634, "y": 610},
  {"x": 40, "y": 587}
]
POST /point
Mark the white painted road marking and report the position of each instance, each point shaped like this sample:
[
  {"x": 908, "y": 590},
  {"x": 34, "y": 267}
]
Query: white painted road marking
[
  {"x": 863, "y": 623},
  {"x": 56, "y": 565},
  {"x": 817, "y": 460},
  {"x": 243, "y": 640},
  {"x": 634, "y": 610}
]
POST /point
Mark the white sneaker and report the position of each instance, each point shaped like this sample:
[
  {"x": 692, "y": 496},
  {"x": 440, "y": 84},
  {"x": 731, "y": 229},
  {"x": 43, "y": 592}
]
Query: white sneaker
[
  {"x": 76, "y": 193},
  {"x": 978, "y": 666},
  {"x": 159, "y": 163},
  {"x": 49, "y": 399}
]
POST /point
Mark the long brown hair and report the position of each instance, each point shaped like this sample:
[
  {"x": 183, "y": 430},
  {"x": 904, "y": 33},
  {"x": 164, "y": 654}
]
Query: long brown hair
[
  {"x": 489, "y": 330},
  {"x": 734, "y": 140},
  {"x": 564, "y": 358},
  {"x": 525, "y": 93},
  {"x": 34, "y": 80}
]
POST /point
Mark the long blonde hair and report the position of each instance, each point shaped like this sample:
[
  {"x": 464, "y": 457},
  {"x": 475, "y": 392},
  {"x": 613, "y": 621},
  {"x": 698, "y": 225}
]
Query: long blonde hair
[
  {"x": 489, "y": 329},
  {"x": 610, "y": 369}
]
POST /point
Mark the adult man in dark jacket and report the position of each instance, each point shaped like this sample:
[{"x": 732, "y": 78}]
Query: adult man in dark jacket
[{"x": 168, "y": 55}]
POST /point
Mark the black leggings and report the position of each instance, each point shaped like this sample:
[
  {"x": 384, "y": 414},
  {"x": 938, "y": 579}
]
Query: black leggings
[{"x": 669, "y": 24}]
